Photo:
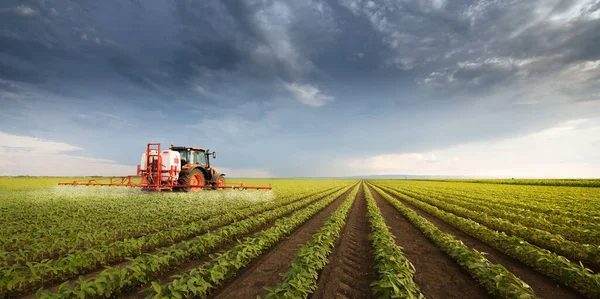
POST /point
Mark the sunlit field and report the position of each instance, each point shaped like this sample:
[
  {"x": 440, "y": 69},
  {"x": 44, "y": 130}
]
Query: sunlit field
[{"x": 305, "y": 237}]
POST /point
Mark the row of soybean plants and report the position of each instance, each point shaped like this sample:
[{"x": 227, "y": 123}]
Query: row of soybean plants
[
  {"x": 34, "y": 226},
  {"x": 498, "y": 281},
  {"x": 22, "y": 278},
  {"x": 568, "y": 227},
  {"x": 537, "y": 182},
  {"x": 147, "y": 267},
  {"x": 52, "y": 225},
  {"x": 395, "y": 272},
  {"x": 542, "y": 260},
  {"x": 576, "y": 202},
  {"x": 212, "y": 203},
  {"x": 571, "y": 228},
  {"x": 576, "y": 205},
  {"x": 499, "y": 220},
  {"x": 300, "y": 280},
  {"x": 199, "y": 282}
]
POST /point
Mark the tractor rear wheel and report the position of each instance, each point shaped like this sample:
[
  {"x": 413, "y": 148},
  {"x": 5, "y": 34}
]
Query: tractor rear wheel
[
  {"x": 194, "y": 177},
  {"x": 220, "y": 184}
]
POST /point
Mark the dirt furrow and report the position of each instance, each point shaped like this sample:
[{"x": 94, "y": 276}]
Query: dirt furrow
[
  {"x": 437, "y": 274},
  {"x": 543, "y": 286},
  {"x": 350, "y": 269},
  {"x": 267, "y": 269}
]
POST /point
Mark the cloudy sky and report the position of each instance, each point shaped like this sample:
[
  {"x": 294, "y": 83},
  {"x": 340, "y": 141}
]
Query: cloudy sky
[{"x": 505, "y": 88}]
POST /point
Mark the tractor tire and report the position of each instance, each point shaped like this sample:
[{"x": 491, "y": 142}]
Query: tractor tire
[
  {"x": 194, "y": 177},
  {"x": 220, "y": 184}
]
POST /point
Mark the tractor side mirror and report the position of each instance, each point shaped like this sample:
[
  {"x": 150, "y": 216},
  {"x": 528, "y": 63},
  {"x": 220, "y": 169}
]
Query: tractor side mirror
[{"x": 214, "y": 155}]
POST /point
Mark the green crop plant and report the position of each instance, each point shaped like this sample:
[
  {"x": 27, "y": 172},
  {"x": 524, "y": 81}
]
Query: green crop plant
[{"x": 301, "y": 279}]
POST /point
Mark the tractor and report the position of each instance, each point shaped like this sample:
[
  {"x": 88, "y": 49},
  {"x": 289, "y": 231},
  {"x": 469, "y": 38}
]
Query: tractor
[{"x": 180, "y": 168}]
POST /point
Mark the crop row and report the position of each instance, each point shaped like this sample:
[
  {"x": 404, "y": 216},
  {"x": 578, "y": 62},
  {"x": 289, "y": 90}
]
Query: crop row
[
  {"x": 498, "y": 281},
  {"x": 395, "y": 271},
  {"x": 147, "y": 267},
  {"x": 586, "y": 253},
  {"x": 80, "y": 260},
  {"x": 571, "y": 229},
  {"x": 33, "y": 275},
  {"x": 542, "y": 260},
  {"x": 79, "y": 236},
  {"x": 536, "y": 182},
  {"x": 199, "y": 282},
  {"x": 568, "y": 202},
  {"x": 300, "y": 280},
  {"x": 33, "y": 229},
  {"x": 543, "y": 216}
]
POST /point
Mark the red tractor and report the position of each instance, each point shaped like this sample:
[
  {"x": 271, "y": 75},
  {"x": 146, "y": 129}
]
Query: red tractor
[{"x": 180, "y": 168}]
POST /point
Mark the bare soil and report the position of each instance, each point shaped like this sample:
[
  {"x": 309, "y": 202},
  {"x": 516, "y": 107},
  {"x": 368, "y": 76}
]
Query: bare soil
[
  {"x": 543, "y": 286},
  {"x": 437, "y": 274},
  {"x": 266, "y": 270},
  {"x": 350, "y": 268}
]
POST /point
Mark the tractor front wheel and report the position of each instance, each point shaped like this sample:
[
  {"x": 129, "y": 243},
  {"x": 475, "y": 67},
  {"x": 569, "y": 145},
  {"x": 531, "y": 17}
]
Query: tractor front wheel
[{"x": 195, "y": 178}]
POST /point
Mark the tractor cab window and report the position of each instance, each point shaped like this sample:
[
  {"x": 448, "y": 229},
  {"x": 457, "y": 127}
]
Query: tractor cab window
[
  {"x": 201, "y": 158},
  {"x": 184, "y": 156},
  {"x": 192, "y": 157}
]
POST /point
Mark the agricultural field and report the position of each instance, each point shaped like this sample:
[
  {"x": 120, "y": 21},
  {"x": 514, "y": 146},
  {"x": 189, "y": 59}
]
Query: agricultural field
[{"x": 315, "y": 238}]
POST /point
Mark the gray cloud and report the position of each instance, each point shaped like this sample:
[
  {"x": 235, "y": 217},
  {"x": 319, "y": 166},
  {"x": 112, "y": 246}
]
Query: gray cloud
[{"x": 511, "y": 42}]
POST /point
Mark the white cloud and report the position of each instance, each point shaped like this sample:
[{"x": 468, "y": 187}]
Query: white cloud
[
  {"x": 308, "y": 94},
  {"x": 33, "y": 145},
  {"x": 438, "y": 4},
  {"x": 581, "y": 9},
  {"x": 23, "y": 155},
  {"x": 25, "y": 11},
  {"x": 570, "y": 149}
]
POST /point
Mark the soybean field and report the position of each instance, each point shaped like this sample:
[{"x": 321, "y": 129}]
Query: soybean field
[{"x": 317, "y": 238}]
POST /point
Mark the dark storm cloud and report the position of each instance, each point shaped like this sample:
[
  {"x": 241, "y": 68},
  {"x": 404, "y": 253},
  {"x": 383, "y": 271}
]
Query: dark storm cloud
[
  {"x": 324, "y": 40},
  {"x": 511, "y": 42}
]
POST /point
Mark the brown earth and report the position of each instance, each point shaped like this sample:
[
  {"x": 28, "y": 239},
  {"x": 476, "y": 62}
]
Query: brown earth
[
  {"x": 350, "y": 268},
  {"x": 437, "y": 274},
  {"x": 543, "y": 286},
  {"x": 266, "y": 270}
]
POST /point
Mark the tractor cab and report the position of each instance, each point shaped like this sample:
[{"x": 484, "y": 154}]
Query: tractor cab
[{"x": 194, "y": 156}]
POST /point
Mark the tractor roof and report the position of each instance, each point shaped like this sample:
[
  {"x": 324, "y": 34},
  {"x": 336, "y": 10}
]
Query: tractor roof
[{"x": 195, "y": 148}]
